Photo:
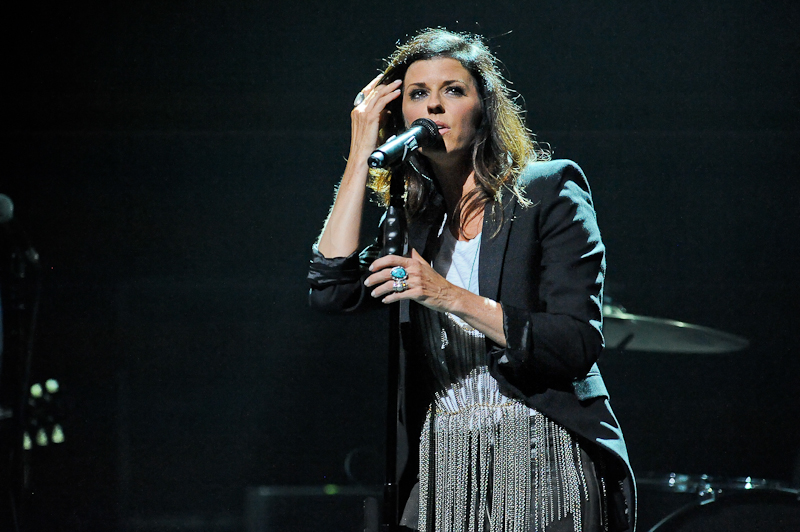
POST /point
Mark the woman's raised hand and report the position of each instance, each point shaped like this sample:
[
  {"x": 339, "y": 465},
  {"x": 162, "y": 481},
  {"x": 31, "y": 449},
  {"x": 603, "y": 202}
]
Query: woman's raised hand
[
  {"x": 340, "y": 235},
  {"x": 366, "y": 116}
]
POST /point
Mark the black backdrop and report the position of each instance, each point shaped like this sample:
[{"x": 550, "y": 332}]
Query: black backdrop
[{"x": 173, "y": 162}]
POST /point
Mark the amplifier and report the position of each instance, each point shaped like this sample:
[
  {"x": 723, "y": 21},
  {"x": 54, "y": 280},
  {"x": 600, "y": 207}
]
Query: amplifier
[{"x": 307, "y": 508}]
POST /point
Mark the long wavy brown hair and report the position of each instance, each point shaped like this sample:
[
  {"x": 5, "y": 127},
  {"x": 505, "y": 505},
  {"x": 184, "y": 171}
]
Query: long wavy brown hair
[{"x": 503, "y": 145}]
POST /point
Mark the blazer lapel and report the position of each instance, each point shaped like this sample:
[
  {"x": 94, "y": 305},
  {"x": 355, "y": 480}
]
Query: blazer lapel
[
  {"x": 493, "y": 248},
  {"x": 420, "y": 237}
]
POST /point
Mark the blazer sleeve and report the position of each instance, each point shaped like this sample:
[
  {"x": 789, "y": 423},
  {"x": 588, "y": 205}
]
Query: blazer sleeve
[
  {"x": 560, "y": 337},
  {"x": 337, "y": 284}
]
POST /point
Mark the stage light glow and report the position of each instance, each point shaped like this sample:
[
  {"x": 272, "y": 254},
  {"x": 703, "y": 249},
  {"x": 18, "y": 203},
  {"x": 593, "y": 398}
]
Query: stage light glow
[
  {"x": 36, "y": 390},
  {"x": 58, "y": 434},
  {"x": 51, "y": 385}
]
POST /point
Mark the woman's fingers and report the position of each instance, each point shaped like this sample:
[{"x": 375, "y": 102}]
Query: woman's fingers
[
  {"x": 384, "y": 100},
  {"x": 372, "y": 84},
  {"x": 388, "y": 261},
  {"x": 366, "y": 117},
  {"x": 382, "y": 279},
  {"x": 417, "y": 257},
  {"x": 386, "y": 289},
  {"x": 422, "y": 282},
  {"x": 377, "y": 96},
  {"x": 382, "y": 269}
]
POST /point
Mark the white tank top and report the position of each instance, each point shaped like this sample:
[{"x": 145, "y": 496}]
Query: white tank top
[{"x": 458, "y": 261}]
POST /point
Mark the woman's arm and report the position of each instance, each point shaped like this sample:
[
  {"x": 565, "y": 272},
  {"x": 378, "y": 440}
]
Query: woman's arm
[
  {"x": 562, "y": 338},
  {"x": 336, "y": 270},
  {"x": 340, "y": 234}
]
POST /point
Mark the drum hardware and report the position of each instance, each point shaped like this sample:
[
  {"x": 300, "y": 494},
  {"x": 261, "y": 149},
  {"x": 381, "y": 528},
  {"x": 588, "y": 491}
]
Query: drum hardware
[
  {"x": 705, "y": 485},
  {"x": 703, "y": 502},
  {"x": 632, "y": 332},
  {"x": 681, "y": 495},
  {"x": 701, "y": 487},
  {"x": 749, "y": 510}
]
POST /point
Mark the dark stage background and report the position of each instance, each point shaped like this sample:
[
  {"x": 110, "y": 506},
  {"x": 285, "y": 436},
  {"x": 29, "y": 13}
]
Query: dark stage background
[{"x": 173, "y": 162}]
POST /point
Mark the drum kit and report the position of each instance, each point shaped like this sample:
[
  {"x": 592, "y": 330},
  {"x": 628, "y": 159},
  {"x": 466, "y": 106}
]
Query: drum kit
[{"x": 708, "y": 503}]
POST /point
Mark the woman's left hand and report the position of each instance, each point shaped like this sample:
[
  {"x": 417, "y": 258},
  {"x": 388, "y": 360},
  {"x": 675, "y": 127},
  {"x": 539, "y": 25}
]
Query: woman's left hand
[{"x": 425, "y": 285}]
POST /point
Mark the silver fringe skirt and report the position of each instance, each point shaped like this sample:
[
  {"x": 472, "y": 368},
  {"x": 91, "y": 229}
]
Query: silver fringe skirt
[{"x": 488, "y": 462}]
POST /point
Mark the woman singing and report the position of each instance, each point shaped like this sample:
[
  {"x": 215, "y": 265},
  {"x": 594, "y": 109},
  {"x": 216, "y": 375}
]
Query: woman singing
[{"x": 501, "y": 302}]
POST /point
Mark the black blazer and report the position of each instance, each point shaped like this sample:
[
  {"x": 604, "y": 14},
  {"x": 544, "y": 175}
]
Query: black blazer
[{"x": 545, "y": 263}]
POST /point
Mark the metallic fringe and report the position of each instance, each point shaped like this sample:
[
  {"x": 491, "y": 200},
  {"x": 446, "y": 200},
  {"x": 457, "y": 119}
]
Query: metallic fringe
[
  {"x": 559, "y": 483},
  {"x": 488, "y": 463},
  {"x": 481, "y": 468}
]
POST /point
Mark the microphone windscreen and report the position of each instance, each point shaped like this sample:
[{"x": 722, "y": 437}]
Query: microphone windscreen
[
  {"x": 431, "y": 129},
  {"x": 6, "y": 209}
]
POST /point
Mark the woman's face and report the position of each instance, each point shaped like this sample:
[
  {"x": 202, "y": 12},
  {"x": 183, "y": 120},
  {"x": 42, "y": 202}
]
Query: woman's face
[{"x": 442, "y": 90}]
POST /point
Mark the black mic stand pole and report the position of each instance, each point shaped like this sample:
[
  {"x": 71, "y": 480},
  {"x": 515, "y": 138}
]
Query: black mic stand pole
[
  {"x": 394, "y": 238},
  {"x": 425, "y": 133},
  {"x": 19, "y": 315},
  {"x": 20, "y": 290}
]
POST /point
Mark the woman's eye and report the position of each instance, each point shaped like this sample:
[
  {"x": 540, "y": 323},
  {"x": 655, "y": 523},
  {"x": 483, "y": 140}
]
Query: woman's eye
[
  {"x": 416, "y": 94},
  {"x": 456, "y": 90}
]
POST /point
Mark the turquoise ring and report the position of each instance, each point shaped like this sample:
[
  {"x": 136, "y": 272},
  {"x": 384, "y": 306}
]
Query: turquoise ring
[{"x": 399, "y": 273}]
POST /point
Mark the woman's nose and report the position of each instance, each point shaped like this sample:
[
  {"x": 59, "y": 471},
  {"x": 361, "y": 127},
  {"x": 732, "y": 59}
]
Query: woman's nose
[{"x": 435, "y": 105}]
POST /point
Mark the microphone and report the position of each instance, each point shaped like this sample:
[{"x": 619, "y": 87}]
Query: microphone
[
  {"x": 13, "y": 228},
  {"x": 422, "y": 133}
]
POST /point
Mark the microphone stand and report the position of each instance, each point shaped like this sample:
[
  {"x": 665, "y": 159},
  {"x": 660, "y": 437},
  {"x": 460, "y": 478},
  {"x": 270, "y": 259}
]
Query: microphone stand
[
  {"x": 19, "y": 311},
  {"x": 424, "y": 132},
  {"x": 394, "y": 237}
]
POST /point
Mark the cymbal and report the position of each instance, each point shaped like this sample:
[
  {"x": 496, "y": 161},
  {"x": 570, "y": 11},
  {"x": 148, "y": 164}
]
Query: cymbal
[{"x": 631, "y": 332}]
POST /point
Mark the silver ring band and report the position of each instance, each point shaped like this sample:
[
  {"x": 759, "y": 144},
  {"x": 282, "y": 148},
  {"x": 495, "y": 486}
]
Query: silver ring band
[{"x": 400, "y": 285}]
